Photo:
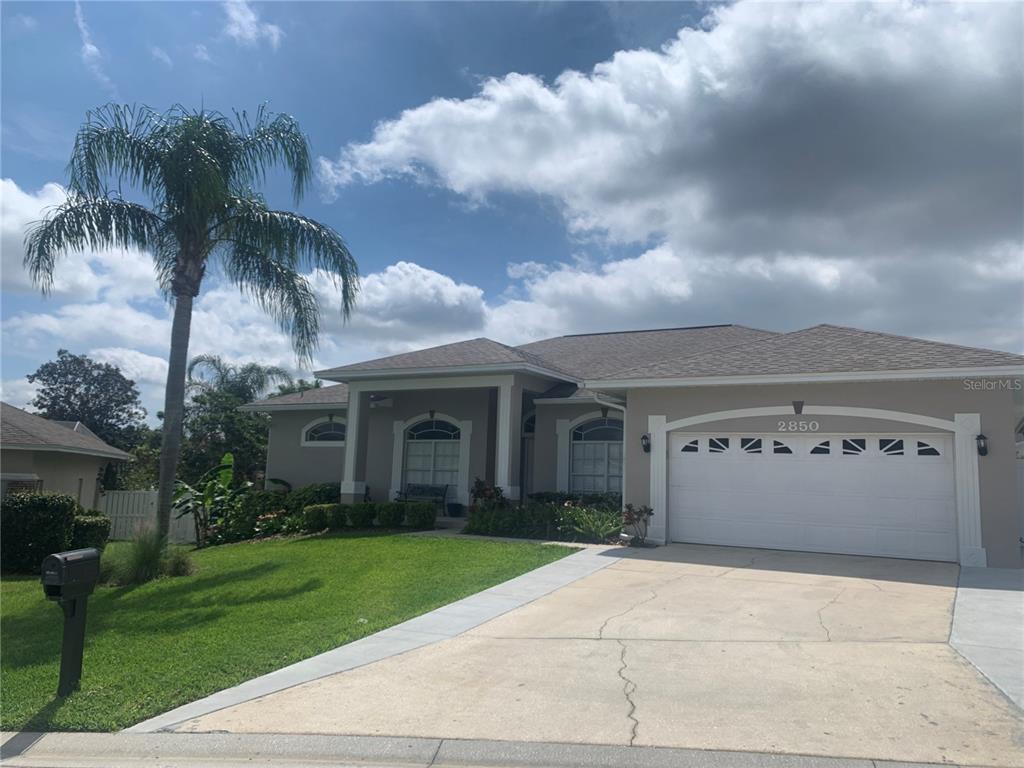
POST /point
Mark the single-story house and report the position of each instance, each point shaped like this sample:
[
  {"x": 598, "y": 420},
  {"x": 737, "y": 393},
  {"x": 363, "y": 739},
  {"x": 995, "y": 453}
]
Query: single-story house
[
  {"x": 827, "y": 439},
  {"x": 38, "y": 454}
]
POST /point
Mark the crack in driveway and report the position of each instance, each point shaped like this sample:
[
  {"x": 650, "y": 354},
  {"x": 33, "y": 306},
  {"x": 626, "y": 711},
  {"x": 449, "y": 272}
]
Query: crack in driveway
[
  {"x": 829, "y": 604},
  {"x": 634, "y": 606},
  {"x": 628, "y": 689}
]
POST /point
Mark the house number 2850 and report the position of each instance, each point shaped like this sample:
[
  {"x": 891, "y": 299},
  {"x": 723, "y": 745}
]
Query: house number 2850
[{"x": 798, "y": 426}]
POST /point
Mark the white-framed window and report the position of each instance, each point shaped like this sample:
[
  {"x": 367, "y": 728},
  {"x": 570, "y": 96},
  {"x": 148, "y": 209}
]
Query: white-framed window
[
  {"x": 325, "y": 432},
  {"x": 596, "y": 458},
  {"x": 432, "y": 451}
]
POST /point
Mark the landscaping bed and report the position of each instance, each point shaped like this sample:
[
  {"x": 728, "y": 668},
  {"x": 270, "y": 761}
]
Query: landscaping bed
[{"x": 249, "y": 608}]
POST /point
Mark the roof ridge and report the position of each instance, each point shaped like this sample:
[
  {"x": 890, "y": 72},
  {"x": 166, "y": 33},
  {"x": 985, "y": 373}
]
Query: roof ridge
[
  {"x": 642, "y": 330},
  {"x": 901, "y": 337}
]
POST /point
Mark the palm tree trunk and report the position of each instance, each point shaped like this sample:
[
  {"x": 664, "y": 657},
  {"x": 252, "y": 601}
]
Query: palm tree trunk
[{"x": 174, "y": 409}]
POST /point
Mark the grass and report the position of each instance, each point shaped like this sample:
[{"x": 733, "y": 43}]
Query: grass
[{"x": 248, "y": 609}]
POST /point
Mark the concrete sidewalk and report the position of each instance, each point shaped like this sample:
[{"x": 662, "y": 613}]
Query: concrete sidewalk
[
  {"x": 200, "y": 750},
  {"x": 988, "y": 626}
]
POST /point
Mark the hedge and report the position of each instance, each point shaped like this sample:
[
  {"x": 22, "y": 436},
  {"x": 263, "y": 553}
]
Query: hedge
[
  {"x": 362, "y": 515},
  {"x": 319, "y": 517},
  {"x": 390, "y": 514},
  {"x": 550, "y": 521},
  {"x": 32, "y": 526},
  {"x": 90, "y": 531},
  {"x": 421, "y": 515}
]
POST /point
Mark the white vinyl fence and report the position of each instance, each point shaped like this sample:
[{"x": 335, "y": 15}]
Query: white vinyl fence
[{"x": 133, "y": 511}]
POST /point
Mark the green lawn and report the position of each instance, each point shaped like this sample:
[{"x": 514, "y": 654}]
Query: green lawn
[{"x": 248, "y": 609}]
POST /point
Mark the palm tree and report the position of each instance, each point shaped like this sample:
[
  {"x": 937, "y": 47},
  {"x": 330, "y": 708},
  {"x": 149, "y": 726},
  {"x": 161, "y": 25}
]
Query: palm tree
[
  {"x": 246, "y": 382},
  {"x": 198, "y": 170}
]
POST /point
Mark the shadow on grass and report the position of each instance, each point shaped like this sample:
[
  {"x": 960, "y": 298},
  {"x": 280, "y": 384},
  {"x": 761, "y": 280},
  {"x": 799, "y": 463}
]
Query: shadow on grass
[{"x": 33, "y": 637}]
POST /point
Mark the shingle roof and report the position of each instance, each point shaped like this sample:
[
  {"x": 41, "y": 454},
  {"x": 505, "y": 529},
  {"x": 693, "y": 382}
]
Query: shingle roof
[
  {"x": 335, "y": 394},
  {"x": 597, "y": 355},
  {"x": 22, "y": 430},
  {"x": 474, "y": 352},
  {"x": 821, "y": 349}
]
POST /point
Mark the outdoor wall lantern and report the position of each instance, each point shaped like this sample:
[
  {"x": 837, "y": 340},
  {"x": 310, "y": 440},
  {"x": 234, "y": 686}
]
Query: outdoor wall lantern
[
  {"x": 982, "y": 445},
  {"x": 798, "y": 407},
  {"x": 330, "y": 418},
  {"x": 604, "y": 412},
  {"x": 431, "y": 412},
  {"x": 645, "y": 442}
]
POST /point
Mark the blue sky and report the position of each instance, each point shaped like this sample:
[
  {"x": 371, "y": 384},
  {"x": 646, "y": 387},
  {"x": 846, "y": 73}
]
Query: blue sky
[{"x": 521, "y": 170}]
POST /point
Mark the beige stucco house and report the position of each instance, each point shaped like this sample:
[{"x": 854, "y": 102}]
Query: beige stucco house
[
  {"x": 827, "y": 439},
  {"x": 58, "y": 456}
]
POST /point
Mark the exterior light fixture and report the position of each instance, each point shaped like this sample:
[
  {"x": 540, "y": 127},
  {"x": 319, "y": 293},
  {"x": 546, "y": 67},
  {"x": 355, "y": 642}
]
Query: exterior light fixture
[
  {"x": 330, "y": 418},
  {"x": 604, "y": 412},
  {"x": 982, "y": 442},
  {"x": 798, "y": 407},
  {"x": 645, "y": 442},
  {"x": 432, "y": 412}
]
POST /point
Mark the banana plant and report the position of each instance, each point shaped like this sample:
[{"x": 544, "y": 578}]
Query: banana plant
[{"x": 211, "y": 499}]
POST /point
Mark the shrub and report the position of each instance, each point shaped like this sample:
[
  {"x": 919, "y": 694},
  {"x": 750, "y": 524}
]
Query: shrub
[
  {"x": 90, "y": 531},
  {"x": 592, "y": 524},
  {"x": 321, "y": 493},
  {"x": 609, "y": 500},
  {"x": 390, "y": 514},
  {"x": 140, "y": 561},
  {"x": 362, "y": 515},
  {"x": 177, "y": 562},
  {"x": 532, "y": 521},
  {"x": 240, "y": 521},
  {"x": 317, "y": 517},
  {"x": 143, "y": 559},
  {"x": 421, "y": 515},
  {"x": 32, "y": 526}
]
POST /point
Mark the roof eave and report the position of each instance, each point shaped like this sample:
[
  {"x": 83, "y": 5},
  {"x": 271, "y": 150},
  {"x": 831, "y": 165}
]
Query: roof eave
[
  {"x": 113, "y": 455},
  {"x": 365, "y": 374},
  {"x": 272, "y": 407},
  {"x": 807, "y": 378}
]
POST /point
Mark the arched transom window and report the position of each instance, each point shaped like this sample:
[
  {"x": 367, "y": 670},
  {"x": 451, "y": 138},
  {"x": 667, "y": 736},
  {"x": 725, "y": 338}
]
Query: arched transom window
[
  {"x": 327, "y": 432},
  {"x": 596, "y": 461},
  {"x": 432, "y": 453}
]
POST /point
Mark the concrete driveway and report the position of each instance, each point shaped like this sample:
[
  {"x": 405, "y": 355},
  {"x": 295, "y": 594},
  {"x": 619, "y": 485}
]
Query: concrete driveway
[{"x": 687, "y": 646}]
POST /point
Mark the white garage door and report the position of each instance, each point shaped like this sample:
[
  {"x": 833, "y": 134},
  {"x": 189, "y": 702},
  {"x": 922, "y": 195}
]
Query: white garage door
[{"x": 871, "y": 494}]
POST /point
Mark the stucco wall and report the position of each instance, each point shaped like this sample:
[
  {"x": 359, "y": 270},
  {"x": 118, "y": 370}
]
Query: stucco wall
[
  {"x": 302, "y": 465},
  {"x": 460, "y": 404},
  {"x": 1000, "y": 502},
  {"x": 71, "y": 473},
  {"x": 545, "y": 450}
]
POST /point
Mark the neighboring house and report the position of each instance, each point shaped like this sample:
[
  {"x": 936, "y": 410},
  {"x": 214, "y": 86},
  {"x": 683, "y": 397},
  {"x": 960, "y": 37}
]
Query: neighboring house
[
  {"x": 60, "y": 456},
  {"x": 826, "y": 439}
]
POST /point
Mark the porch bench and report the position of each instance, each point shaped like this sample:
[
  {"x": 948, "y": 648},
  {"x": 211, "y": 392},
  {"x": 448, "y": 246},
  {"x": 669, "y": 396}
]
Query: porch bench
[{"x": 435, "y": 494}]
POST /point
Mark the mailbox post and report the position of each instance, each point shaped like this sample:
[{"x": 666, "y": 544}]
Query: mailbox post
[{"x": 69, "y": 578}]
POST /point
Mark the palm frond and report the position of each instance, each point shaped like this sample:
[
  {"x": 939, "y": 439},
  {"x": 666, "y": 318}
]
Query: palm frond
[
  {"x": 273, "y": 139},
  {"x": 295, "y": 242},
  {"x": 281, "y": 291},
  {"x": 80, "y": 222},
  {"x": 118, "y": 141}
]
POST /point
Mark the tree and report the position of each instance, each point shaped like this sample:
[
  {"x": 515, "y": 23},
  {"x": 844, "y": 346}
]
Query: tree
[
  {"x": 247, "y": 382},
  {"x": 299, "y": 385},
  {"x": 77, "y": 388},
  {"x": 198, "y": 170}
]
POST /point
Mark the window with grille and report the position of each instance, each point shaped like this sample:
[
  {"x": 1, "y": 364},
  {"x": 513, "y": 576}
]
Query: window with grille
[
  {"x": 596, "y": 461},
  {"x": 432, "y": 451}
]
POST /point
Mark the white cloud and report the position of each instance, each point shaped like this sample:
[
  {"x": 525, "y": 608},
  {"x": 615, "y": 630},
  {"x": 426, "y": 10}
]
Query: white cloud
[
  {"x": 137, "y": 366},
  {"x": 25, "y": 21},
  {"x": 243, "y": 25},
  {"x": 18, "y": 392},
  {"x": 161, "y": 55},
  {"x": 201, "y": 53},
  {"x": 783, "y": 164},
  {"x": 92, "y": 57},
  {"x": 116, "y": 273}
]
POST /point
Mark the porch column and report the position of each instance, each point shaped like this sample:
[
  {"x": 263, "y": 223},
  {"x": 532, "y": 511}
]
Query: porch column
[
  {"x": 509, "y": 434},
  {"x": 353, "y": 486}
]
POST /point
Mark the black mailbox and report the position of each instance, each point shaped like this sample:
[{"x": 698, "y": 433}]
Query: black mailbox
[
  {"x": 69, "y": 578},
  {"x": 67, "y": 575}
]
